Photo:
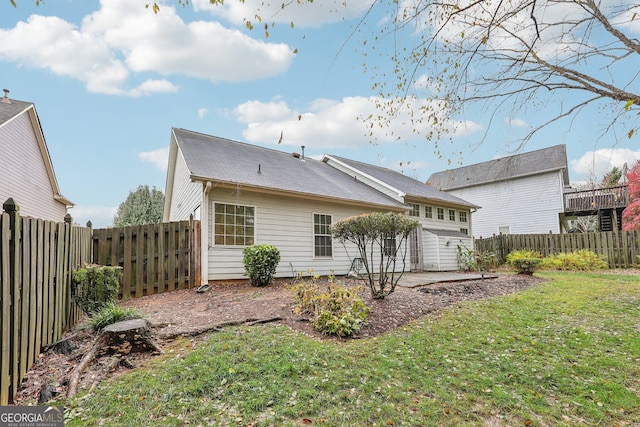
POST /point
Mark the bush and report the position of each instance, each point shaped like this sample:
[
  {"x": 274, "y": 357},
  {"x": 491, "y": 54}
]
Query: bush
[
  {"x": 338, "y": 311},
  {"x": 260, "y": 263},
  {"x": 578, "y": 260},
  {"x": 95, "y": 287},
  {"x": 112, "y": 313},
  {"x": 525, "y": 262}
]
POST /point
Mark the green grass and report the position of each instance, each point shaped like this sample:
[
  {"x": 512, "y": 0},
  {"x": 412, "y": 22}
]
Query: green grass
[{"x": 566, "y": 352}]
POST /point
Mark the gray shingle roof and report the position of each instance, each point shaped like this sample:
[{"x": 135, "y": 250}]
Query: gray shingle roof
[
  {"x": 9, "y": 111},
  {"x": 411, "y": 187},
  {"x": 211, "y": 158},
  {"x": 519, "y": 165}
]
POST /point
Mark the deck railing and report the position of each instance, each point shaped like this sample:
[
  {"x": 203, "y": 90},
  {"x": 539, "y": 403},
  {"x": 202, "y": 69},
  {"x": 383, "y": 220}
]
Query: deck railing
[{"x": 598, "y": 198}]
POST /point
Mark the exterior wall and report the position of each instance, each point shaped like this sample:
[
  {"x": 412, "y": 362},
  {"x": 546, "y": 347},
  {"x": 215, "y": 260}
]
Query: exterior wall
[
  {"x": 436, "y": 255},
  {"x": 23, "y": 174},
  {"x": 440, "y": 255},
  {"x": 527, "y": 205},
  {"x": 286, "y": 223},
  {"x": 187, "y": 195}
]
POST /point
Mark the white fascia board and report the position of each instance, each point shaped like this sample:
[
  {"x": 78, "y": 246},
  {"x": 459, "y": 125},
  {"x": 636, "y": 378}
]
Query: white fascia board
[{"x": 400, "y": 194}]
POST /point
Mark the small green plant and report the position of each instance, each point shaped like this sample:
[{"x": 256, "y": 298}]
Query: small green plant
[
  {"x": 524, "y": 261},
  {"x": 579, "y": 260},
  {"x": 95, "y": 286},
  {"x": 466, "y": 259},
  {"x": 260, "y": 263},
  {"x": 337, "y": 311},
  {"x": 112, "y": 313}
]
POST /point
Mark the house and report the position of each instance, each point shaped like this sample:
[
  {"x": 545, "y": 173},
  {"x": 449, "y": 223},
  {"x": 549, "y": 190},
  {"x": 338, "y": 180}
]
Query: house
[
  {"x": 519, "y": 194},
  {"x": 26, "y": 171},
  {"x": 245, "y": 194}
]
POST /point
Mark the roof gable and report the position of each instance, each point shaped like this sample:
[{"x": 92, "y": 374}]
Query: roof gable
[
  {"x": 407, "y": 185},
  {"x": 10, "y": 109},
  {"x": 210, "y": 158},
  {"x": 520, "y": 165}
]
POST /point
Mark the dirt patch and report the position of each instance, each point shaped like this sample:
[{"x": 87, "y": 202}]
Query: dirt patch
[{"x": 187, "y": 311}]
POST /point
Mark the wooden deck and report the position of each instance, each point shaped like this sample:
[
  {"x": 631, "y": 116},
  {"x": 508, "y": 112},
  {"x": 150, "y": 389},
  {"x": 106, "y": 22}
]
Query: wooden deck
[{"x": 596, "y": 199}]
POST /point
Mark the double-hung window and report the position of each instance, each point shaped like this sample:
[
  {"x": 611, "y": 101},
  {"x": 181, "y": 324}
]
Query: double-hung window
[
  {"x": 428, "y": 212},
  {"x": 322, "y": 244},
  {"x": 440, "y": 213},
  {"x": 234, "y": 225}
]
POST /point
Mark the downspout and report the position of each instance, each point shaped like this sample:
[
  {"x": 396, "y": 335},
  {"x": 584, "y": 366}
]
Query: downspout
[{"x": 204, "y": 235}]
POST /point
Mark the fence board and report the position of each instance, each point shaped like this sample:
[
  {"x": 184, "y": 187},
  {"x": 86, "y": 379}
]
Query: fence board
[
  {"x": 37, "y": 259},
  {"x": 619, "y": 248}
]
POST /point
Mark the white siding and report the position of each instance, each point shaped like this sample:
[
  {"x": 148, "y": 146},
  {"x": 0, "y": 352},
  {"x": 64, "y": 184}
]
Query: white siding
[
  {"x": 23, "y": 174},
  {"x": 187, "y": 195},
  {"x": 286, "y": 223},
  {"x": 527, "y": 205},
  {"x": 436, "y": 256},
  {"x": 441, "y": 252}
]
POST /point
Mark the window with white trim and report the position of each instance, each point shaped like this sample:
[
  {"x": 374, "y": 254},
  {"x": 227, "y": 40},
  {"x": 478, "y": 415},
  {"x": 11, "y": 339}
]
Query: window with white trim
[
  {"x": 464, "y": 231},
  {"x": 505, "y": 229},
  {"x": 414, "y": 209},
  {"x": 440, "y": 213},
  {"x": 233, "y": 225},
  {"x": 452, "y": 215},
  {"x": 462, "y": 215},
  {"x": 428, "y": 212},
  {"x": 322, "y": 243}
]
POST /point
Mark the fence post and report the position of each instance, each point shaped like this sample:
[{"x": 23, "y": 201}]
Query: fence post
[{"x": 15, "y": 280}]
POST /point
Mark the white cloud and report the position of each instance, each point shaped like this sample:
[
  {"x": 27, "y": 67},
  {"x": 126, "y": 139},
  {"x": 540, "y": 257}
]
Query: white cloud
[
  {"x": 518, "y": 123},
  {"x": 159, "y": 158},
  {"x": 596, "y": 164},
  {"x": 100, "y": 216},
  {"x": 202, "y": 112},
  {"x": 302, "y": 14},
  {"x": 334, "y": 123},
  {"x": 118, "y": 43}
]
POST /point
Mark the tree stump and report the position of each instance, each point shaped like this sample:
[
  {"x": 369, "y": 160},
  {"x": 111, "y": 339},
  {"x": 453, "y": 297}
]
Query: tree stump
[
  {"x": 118, "y": 340},
  {"x": 126, "y": 337}
]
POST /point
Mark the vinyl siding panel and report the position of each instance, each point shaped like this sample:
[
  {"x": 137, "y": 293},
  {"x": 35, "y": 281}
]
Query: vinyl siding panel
[
  {"x": 187, "y": 195},
  {"x": 527, "y": 205},
  {"x": 438, "y": 255},
  {"x": 23, "y": 174},
  {"x": 286, "y": 223}
]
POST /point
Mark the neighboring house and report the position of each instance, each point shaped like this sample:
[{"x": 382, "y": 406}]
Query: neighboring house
[
  {"x": 245, "y": 194},
  {"x": 519, "y": 194},
  {"x": 26, "y": 171}
]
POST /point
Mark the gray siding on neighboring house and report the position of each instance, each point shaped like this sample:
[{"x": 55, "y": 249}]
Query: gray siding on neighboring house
[
  {"x": 23, "y": 172},
  {"x": 287, "y": 223},
  {"x": 527, "y": 205},
  {"x": 187, "y": 194}
]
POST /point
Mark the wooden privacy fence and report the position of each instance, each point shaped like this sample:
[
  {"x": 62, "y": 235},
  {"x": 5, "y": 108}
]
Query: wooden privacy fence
[
  {"x": 155, "y": 258},
  {"x": 38, "y": 257},
  {"x": 36, "y": 261},
  {"x": 619, "y": 248}
]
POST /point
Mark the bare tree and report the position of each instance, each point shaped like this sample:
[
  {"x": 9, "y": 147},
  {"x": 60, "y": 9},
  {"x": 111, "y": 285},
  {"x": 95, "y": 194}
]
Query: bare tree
[{"x": 517, "y": 56}]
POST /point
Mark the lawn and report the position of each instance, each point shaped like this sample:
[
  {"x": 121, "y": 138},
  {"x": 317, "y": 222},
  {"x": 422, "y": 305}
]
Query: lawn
[{"x": 566, "y": 352}]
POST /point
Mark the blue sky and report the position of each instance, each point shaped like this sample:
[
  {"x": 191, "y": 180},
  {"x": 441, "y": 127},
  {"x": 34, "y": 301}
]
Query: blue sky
[{"x": 110, "y": 79}]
